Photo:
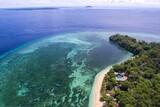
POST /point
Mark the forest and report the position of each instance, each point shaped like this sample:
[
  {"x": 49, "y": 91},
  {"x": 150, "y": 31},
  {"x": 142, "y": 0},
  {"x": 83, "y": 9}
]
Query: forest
[{"x": 141, "y": 86}]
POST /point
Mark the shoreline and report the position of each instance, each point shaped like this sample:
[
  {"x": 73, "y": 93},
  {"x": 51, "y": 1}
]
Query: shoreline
[{"x": 94, "y": 98}]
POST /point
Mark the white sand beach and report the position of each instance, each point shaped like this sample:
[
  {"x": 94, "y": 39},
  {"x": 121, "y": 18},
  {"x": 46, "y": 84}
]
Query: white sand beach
[{"x": 95, "y": 94}]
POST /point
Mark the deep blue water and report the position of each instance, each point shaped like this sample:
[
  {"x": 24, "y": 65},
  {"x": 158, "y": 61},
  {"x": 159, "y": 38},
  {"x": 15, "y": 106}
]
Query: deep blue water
[{"x": 21, "y": 26}]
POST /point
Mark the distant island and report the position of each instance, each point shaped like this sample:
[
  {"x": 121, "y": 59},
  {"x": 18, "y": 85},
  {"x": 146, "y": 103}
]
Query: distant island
[
  {"x": 88, "y": 6},
  {"x": 136, "y": 82}
]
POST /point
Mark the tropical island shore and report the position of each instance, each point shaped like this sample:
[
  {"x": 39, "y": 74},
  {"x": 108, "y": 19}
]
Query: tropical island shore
[
  {"x": 97, "y": 85},
  {"x": 134, "y": 83},
  {"x": 129, "y": 83}
]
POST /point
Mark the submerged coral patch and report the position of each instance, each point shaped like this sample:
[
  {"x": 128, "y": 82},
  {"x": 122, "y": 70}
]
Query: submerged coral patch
[{"x": 55, "y": 71}]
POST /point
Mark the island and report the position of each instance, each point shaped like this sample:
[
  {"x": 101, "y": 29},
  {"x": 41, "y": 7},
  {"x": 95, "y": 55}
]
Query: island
[{"x": 135, "y": 82}]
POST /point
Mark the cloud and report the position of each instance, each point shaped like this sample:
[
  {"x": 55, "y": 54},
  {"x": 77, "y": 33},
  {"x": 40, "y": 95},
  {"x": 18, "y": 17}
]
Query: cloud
[{"x": 50, "y": 3}]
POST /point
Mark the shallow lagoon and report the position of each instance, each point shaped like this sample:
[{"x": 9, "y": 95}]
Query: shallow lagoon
[{"x": 56, "y": 71}]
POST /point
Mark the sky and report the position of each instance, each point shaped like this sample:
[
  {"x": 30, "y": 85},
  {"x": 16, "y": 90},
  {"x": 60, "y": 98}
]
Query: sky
[{"x": 72, "y": 3}]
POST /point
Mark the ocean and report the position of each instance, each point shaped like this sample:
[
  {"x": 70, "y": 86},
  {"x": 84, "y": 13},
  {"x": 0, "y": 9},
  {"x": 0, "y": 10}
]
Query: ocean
[
  {"x": 49, "y": 57},
  {"x": 22, "y": 26}
]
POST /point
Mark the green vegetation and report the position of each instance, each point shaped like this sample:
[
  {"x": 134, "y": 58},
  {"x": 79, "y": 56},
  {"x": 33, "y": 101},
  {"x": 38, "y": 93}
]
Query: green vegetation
[{"x": 142, "y": 88}]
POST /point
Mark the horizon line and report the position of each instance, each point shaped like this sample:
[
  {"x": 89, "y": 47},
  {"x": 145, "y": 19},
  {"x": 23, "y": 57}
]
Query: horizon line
[{"x": 86, "y": 7}]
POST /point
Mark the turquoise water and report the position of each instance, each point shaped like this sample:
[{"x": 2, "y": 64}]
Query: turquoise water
[{"x": 57, "y": 71}]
